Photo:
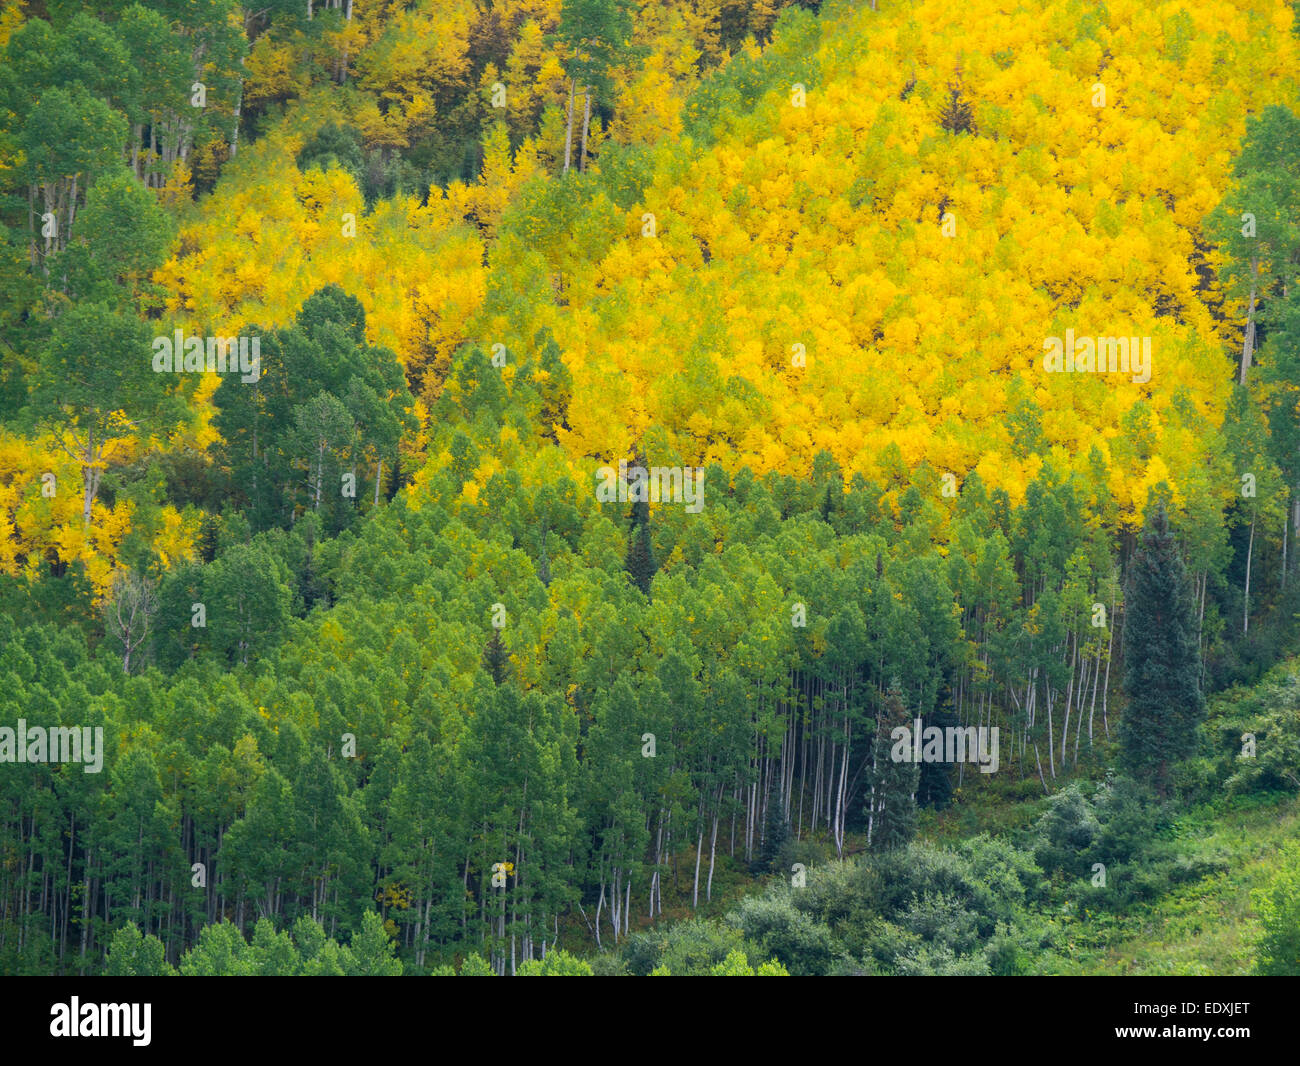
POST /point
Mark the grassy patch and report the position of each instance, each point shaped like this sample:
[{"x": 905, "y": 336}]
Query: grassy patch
[{"x": 1207, "y": 927}]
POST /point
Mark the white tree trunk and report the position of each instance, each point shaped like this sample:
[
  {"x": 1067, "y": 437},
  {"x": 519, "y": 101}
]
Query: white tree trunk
[
  {"x": 1248, "y": 345},
  {"x": 568, "y": 129},
  {"x": 586, "y": 123},
  {"x": 1250, "y": 551},
  {"x": 699, "y": 848}
]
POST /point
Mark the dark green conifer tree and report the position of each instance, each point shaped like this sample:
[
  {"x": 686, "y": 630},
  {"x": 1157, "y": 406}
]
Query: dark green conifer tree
[
  {"x": 891, "y": 795},
  {"x": 496, "y": 658},
  {"x": 1161, "y": 659},
  {"x": 640, "y": 562},
  {"x": 776, "y": 834},
  {"x": 956, "y": 115}
]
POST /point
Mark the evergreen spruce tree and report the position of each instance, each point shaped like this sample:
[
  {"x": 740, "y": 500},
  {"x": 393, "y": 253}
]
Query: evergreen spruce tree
[
  {"x": 640, "y": 558},
  {"x": 1161, "y": 659},
  {"x": 556, "y": 390},
  {"x": 640, "y": 561},
  {"x": 891, "y": 798},
  {"x": 776, "y": 834},
  {"x": 544, "y": 567},
  {"x": 313, "y": 586},
  {"x": 496, "y": 659},
  {"x": 828, "y": 506},
  {"x": 396, "y": 479},
  {"x": 934, "y": 784},
  {"x": 956, "y": 115},
  {"x": 209, "y": 528}
]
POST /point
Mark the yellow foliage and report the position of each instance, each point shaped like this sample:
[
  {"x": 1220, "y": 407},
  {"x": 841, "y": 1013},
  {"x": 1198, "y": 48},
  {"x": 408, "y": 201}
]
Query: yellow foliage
[
  {"x": 11, "y": 17},
  {"x": 41, "y": 519},
  {"x": 923, "y": 271},
  {"x": 262, "y": 244}
]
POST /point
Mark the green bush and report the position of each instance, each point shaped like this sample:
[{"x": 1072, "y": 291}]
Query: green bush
[
  {"x": 899, "y": 877},
  {"x": 1279, "y": 918},
  {"x": 1068, "y": 832},
  {"x": 687, "y": 949},
  {"x": 556, "y": 964},
  {"x": 941, "y": 962},
  {"x": 779, "y": 929},
  {"x": 942, "y": 921},
  {"x": 1129, "y": 816}
]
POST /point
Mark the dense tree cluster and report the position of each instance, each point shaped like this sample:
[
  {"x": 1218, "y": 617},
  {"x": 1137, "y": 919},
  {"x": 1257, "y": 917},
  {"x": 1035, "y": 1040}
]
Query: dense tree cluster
[{"x": 386, "y": 685}]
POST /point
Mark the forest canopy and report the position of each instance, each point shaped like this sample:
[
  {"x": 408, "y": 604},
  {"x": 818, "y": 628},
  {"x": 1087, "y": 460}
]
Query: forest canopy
[{"x": 396, "y": 671}]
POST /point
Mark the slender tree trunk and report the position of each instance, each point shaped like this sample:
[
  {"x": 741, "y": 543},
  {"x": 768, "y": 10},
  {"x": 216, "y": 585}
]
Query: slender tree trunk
[
  {"x": 239, "y": 108},
  {"x": 1092, "y": 709},
  {"x": 33, "y": 253},
  {"x": 320, "y": 473},
  {"x": 86, "y": 891},
  {"x": 1069, "y": 698},
  {"x": 699, "y": 848},
  {"x": 1286, "y": 528},
  {"x": 713, "y": 850},
  {"x": 90, "y": 478},
  {"x": 1051, "y": 756},
  {"x": 1248, "y": 344},
  {"x": 568, "y": 128},
  {"x": 1105, "y": 685},
  {"x": 586, "y": 123},
  {"x": 1250, "y": 551}
]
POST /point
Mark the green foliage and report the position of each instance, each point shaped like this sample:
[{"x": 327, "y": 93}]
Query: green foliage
[
  {"x": 736, "y": 964},
  {"x": 1266, "y": 188},
  {"x": 222, "y": 951},
  {"x": 728, "y": 94},
  {"x": 332, "y": 145},
  {"x": 1279, "y": 917},
  {"x": 1267, "y": 718},
  {"x": 912, "y": 910},
  {"x": 95, "y": 388},
  {"x": 775, "y": 853},
  {"x": 131, "y": 954},
  {"x": 1067, "y": 831},
  {"x": 121, "y": 236},
  {"x": 476, "y": 966},
  {"x": 1161, "y": 659},
  {"x": 690, "y": 948},
  {"x": 597, "y": 35},
  {"x": 371, "y": 952},
  {"x": 380, "y": 175},
  {"x": 557, "y": 963},
  {"x": 336, "y": 735},
  {"x": 891, "y": 805},
  {"x": 783, "y": 932},
  {"x": 325, "y": 410}
]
